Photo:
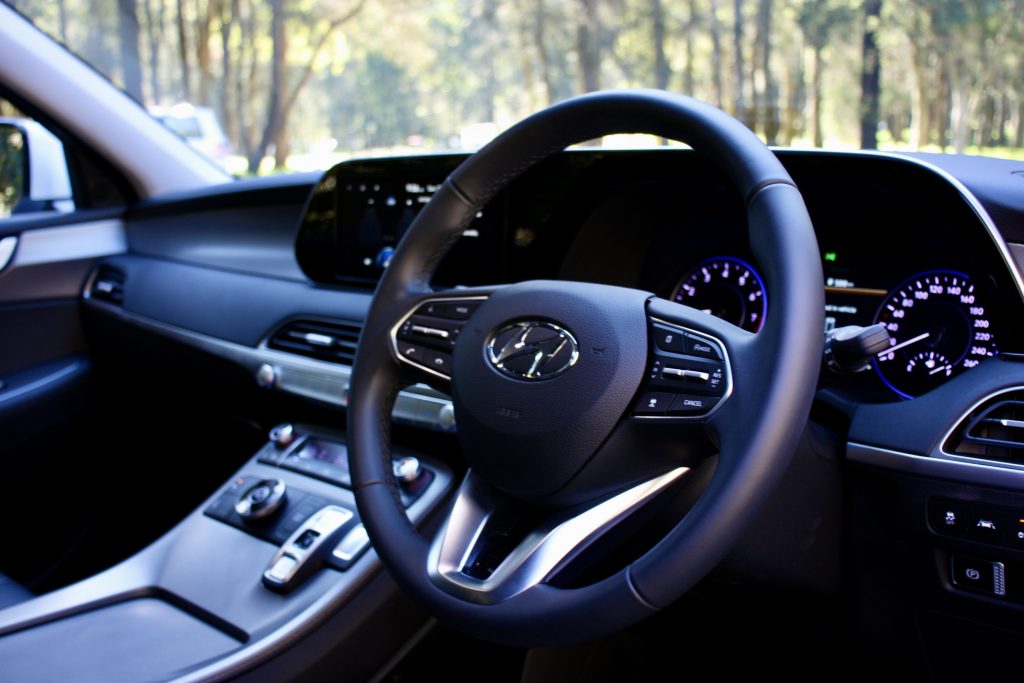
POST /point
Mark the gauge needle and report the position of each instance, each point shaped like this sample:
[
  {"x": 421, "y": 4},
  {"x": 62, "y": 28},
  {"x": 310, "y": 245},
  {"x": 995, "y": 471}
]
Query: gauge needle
[
  {"x": 906, "y": 343},
  {"x": 939, "y": 369}
]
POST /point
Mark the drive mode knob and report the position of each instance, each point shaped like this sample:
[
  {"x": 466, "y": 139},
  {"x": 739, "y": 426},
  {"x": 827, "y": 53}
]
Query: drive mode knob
[
  {"x": 261, "y": 500},
  {"x": 282, "y": 435}
]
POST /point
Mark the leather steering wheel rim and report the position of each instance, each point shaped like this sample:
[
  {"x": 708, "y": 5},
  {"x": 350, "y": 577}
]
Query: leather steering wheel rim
[{"x": 775, "y": 374}]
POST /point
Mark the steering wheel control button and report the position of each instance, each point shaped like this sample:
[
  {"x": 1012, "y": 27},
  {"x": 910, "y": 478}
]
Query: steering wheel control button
[
  {"x": 698, "y": 346},
  {"x": 654, "y": 403},
  {"x": 261, "y": 500},
  {"x": 452, "y": 310},
  {"x": 306, "y": 548},
  {"x": 667, "y": 339},
  {"x": 692, "y": 404},
  {"x": 438, "y": 362},
  {"x": 532, "y": 350},
  {"x": 980, "y": 575}
]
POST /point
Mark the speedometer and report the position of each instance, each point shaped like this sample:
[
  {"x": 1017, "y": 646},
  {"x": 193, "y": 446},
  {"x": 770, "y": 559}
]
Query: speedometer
[
  {"x": 725, "y": 287},
  {"x": 939, "y": 328}
]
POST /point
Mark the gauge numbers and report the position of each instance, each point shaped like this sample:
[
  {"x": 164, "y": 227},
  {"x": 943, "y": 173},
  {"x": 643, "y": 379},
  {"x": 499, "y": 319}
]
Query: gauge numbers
[
  {"x": 727, "y": 288},
  {"x": 939, "y": 328}
]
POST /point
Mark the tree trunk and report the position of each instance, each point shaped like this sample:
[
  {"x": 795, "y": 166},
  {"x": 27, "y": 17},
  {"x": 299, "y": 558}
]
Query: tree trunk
[
  {"x": 131, "y": 61},
  {"x": 921, "y": 103},
  {"x": 228, "y": 19},
  {"x": 739, "y": 67},
  {"x": 688, "y": 77},
  {"x": 818, "y": 64},
  {"x": 540, "y": 43},
  {"x": 62, "y": 21},
  {"x": 275, "y": 98},
  {"x": 716, "y": 54},
  {"x": 1018, "y": 136},
  {"x": 154, "y": 32},
  {"x": 768, "y": 110},
  {"x": 662, "y": 72},
  {"x": 588, "y": 46},
  {"x": 203, "y": 20},
  {"x": 183, "y": 52},
  {"x": 870, "y": 76}
]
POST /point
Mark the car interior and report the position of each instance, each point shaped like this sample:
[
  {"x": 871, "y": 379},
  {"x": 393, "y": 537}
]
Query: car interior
[{"x": 541, "y": 412}]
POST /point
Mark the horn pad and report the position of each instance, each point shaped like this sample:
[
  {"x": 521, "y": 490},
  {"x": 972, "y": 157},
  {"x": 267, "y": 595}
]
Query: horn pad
[{"x": 543, "y": 372}]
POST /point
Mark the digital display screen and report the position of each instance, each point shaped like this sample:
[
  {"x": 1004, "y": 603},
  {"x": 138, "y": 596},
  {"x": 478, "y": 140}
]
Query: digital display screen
[{"x": 330, "y": 452}]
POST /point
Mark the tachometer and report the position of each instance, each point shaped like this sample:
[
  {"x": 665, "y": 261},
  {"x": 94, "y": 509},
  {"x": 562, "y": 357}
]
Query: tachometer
[
  {"x": 939, "y": 328},
  {"x": 725, "y": 287}
]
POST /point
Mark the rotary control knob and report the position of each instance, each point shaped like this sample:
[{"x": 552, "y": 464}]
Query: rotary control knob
[
  {"x": 262, "y": 499},
  {"x": 407, "y": 470},
  {"x": 282, "y": 435}
]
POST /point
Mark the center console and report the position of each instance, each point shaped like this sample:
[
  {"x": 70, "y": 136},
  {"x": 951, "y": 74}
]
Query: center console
[{"x": 277, "y": 550}]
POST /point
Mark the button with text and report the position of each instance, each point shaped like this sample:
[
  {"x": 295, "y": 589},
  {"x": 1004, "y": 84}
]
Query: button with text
[{"x": 687, "y": 404}]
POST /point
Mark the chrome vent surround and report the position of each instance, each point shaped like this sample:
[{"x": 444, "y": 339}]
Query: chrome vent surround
[
  {"x": 992, "y": 430},
  {"x": 108, "y": 285},
  {"x": 331, "y": 341}
]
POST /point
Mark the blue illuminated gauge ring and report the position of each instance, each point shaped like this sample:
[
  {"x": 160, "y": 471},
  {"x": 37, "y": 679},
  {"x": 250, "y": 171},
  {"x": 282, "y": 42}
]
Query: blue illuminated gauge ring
[
  {"x": 940, "y": 327},
  {"x": 726, "y": 287}
]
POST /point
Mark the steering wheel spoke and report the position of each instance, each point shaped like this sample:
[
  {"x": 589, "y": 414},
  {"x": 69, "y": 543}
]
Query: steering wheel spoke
[{"x": 491, "y": 548}]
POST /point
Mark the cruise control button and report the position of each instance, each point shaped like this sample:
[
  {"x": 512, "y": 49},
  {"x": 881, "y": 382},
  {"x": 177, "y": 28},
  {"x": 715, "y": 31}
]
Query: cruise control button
[
  {"x": 698, "y": 346},
  {"x": 688, "y": 404},
  {"x": 653, "y": 403},
  {"x": 670, "y": 340}
]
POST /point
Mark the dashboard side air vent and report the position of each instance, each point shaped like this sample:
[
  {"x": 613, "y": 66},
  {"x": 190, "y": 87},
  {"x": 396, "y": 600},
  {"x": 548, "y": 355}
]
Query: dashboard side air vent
[
  {"x": 334, "y": 341},
  {"x": 993, "y": 430},
  {"x": 108, "y": 285}
]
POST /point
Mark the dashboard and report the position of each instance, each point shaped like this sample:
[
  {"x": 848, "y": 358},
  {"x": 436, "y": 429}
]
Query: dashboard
[{"x": 900, "y": 246}]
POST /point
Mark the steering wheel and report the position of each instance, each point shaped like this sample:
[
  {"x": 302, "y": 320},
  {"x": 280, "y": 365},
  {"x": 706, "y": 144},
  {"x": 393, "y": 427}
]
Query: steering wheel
[{"x": 581, "y": 407}]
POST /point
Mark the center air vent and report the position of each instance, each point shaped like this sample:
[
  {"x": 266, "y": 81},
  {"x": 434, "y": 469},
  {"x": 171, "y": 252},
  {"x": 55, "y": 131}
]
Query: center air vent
[
  {"x": 334, "y": 342},
  {"x": 994, "y": 430},
  {"x": 108, "y": 285}
]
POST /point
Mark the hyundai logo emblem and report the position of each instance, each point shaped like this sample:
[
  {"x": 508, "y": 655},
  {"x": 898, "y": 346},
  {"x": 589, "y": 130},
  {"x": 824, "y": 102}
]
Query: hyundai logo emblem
[{"x": 532, "y": 350}]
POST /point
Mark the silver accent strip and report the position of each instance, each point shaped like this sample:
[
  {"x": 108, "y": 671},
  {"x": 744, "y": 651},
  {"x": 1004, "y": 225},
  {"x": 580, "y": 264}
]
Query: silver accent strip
[
  {"x": 417, "y": 306},
  {"x": 538, "y": 555},
  {"x": 728, "y": 375},
  {"x": 941, "y": 451},
  {"x": 7, "y": 245},
  {"x": 960, "y": 470},
  {"x": 71, "y": 243},
  {"x": 327, "y": 382}
]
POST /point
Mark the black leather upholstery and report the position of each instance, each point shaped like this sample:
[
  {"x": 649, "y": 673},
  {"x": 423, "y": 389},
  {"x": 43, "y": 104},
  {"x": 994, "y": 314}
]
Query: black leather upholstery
[{"x": 12, "y": 593}]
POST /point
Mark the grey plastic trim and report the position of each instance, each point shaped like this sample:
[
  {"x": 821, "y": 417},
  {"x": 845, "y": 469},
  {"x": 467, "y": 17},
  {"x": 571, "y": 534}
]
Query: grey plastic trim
[
  {"x": 71, "y": 243},
  {"x": 327, "y": 382},
  {"x": 962, "y": 470}
]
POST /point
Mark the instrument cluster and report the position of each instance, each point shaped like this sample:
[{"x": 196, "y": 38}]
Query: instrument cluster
[{"x": 939, "y": 321}]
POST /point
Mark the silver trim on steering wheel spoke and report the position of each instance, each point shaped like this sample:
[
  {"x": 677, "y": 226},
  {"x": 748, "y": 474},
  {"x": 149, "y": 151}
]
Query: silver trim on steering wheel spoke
[
  {"x": 429, "y": 332},
  {"x": 538, "y": 555}
]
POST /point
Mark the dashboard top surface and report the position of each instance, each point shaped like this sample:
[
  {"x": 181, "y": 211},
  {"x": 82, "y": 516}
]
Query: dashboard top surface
[{"x": 900, "y": 243}]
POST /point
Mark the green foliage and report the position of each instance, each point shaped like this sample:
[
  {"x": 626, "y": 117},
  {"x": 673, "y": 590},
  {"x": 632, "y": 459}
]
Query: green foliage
[
  {"x": 12, "y": 168},
  {"x": 390, "y": 73}
]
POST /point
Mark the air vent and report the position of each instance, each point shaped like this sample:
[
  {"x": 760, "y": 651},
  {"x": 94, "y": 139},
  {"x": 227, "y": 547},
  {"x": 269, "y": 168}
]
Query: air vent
[
  {"x": 334, "y": 342},
  {"x": 108, "y": 285},
  {"x": 993, "y": 431}
]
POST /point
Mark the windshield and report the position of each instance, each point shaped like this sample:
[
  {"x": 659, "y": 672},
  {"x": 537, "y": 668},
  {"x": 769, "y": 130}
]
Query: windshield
[{"x": 271, "y": 85}]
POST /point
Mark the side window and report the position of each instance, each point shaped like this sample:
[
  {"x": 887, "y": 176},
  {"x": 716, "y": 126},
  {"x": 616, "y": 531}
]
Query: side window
[{"x": 34, "y": 173}]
